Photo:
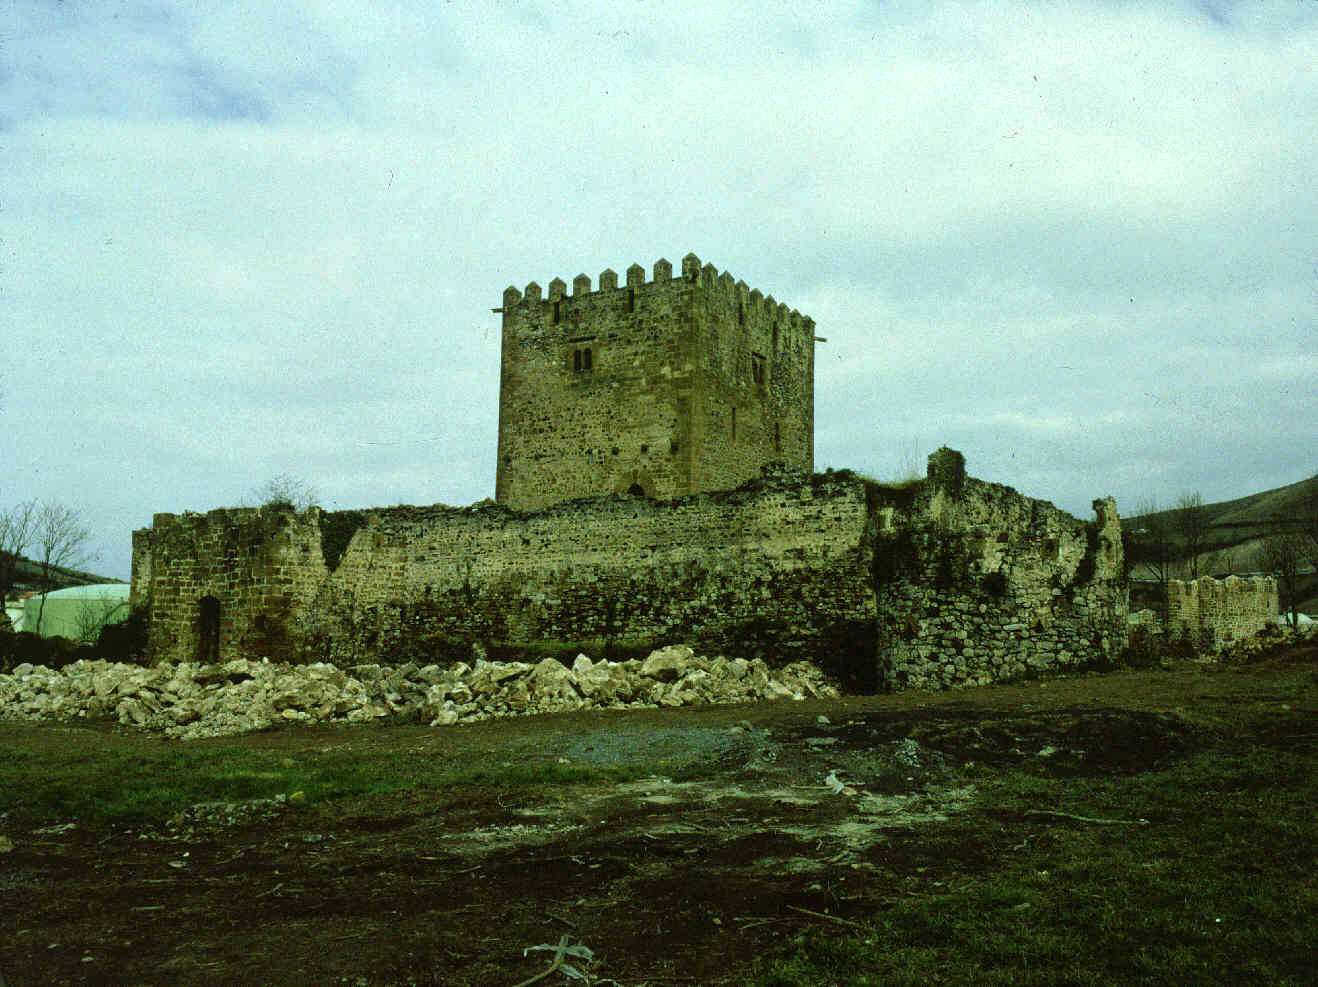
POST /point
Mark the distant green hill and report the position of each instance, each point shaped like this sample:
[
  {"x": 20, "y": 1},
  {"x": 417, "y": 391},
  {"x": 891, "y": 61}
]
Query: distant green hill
[
  {"x": 29, "y": 577},
  {"x": 1232, "y": 522},
  {"x": 1236, "y": 529}
]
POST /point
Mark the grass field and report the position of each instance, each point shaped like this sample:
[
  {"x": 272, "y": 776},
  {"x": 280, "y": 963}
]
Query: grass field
[
  {"x": 1138, "y": 826},
  {"x": 1209, "y": 877}
]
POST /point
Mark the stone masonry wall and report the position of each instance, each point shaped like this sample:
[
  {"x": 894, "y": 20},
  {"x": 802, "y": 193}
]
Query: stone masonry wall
[
  {"x": 976, "y": 584},
  {"x": 757, "y": 371},
  {"x": 934, "y": 584},
  {"x": 778, "y": 567},
  {"x": 1213, "y": 613},
  {"x": 602, "y": 390},
  {"x": 260, "y": 566}
]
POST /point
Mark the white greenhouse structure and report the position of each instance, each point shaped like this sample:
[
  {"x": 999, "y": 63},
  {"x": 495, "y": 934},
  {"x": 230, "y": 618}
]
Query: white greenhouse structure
[{"x": 78, "y": 612}]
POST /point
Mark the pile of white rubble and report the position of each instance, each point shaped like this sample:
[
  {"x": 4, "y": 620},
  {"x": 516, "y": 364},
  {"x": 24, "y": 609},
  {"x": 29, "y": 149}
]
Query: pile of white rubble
[{"x": 191, "y": 700}]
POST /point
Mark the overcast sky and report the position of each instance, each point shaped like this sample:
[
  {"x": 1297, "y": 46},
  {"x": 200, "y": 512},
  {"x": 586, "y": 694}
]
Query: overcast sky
[{"x": 1076, "y": 240}]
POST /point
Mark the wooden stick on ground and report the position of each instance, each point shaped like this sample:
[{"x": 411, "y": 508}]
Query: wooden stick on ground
[
  {"x": 831, "y": 918},
  {"x": 1087, "y": 819}
]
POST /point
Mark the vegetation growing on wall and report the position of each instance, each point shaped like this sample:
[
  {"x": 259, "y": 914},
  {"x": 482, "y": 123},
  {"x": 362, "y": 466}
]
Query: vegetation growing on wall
[
  {"x": 896, "y": 555},
  {"x": 994, "y": 584},
  {"x": 947, "y": 470}
]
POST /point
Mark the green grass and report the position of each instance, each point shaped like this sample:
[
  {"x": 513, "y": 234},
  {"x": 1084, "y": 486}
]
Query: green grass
[
  {"x": 1218, "y": 888},
  {"x": 153, "y": 786}
]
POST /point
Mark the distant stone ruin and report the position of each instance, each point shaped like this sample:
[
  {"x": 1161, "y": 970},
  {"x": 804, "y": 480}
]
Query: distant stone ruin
[{"x": 1213, "y": 614}]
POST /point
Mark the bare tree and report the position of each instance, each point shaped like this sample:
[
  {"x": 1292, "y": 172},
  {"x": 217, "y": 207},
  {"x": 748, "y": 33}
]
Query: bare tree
[
  {"x": 1149, "y": 548},
  {"x": 15, "y": 535},
  {"x": 94, "y": 616},
  {"x": 1192, "y": 524},
  {"x": 286, "y": 490},
  {"x": 1281, "y": 555},
  {"x": 60, "y": 539}
]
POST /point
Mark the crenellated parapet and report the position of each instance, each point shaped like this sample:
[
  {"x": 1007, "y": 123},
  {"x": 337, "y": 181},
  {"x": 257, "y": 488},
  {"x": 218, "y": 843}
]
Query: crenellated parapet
[{"x": 705, "y": 277}]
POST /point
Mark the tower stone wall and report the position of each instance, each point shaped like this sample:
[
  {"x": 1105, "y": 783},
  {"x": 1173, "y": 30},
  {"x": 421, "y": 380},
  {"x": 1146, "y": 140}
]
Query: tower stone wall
[{"x": 672, "y": 386}]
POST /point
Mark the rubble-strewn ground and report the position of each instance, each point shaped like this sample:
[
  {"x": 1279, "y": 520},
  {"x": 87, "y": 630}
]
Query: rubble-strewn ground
[
  {"x": 1118, "y": 827},
  {"x": 191, "y": 701}
]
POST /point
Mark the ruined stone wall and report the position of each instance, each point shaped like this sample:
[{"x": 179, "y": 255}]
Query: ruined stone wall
[
  {"x": 977, "y": 584},
  {"x": 636, "y": 386},
  {"x": 140, "y": 578},
  {"x": 940, "y": 583},
  {"x": 1212, "y": 613},
  {"x": 778, "y": 568},
  {"x": 260, "y": 565}
]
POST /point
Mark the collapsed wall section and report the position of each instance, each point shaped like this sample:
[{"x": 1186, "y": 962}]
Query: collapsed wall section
[
  {"x": 1213, "y": 613},
  {"x": 976, "y": 583}
]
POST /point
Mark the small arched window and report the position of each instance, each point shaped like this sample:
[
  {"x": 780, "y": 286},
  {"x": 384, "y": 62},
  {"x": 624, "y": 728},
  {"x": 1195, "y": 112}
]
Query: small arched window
[{"x": 585, "y": 359}]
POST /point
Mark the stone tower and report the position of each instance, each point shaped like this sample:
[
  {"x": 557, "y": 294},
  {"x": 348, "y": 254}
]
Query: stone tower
[{"x": 662, "y": 388}]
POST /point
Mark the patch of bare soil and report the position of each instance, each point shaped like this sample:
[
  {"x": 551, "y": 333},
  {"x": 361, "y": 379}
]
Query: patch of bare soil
[{"x": 804, "y": 814}]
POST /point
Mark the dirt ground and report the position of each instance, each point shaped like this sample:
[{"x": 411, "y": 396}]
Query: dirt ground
[{"x": 665, "y": 881}]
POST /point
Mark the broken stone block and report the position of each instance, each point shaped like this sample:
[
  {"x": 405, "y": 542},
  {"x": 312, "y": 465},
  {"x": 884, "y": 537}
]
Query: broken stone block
[{"x": 668, "y": 664}]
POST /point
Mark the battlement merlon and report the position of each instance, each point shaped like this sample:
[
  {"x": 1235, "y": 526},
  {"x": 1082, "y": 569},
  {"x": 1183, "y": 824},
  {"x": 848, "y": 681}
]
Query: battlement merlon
[{"x": 705, "y": 277}]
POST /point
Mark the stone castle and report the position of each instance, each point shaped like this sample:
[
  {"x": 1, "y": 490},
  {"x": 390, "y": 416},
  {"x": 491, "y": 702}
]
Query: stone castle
[{"x": 655, "y": 483}]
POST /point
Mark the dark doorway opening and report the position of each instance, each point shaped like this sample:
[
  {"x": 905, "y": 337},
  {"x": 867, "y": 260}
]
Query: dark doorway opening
[
  {"x": 208, "y": 630},
  {"x": 635, "y": 490}
]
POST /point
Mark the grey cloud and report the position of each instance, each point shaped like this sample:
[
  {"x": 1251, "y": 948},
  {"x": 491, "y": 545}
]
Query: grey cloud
[{"x": 259, "y": 239}]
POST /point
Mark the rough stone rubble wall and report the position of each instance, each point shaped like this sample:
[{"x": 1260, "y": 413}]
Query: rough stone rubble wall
[
  {"x": 262, "y": 565},
  {"x": 931, "y": 586},
  {"x": 776, "y": 568},
  {"x": 1213, "y": 613},
  {"x": 978, "y": 584}
]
